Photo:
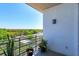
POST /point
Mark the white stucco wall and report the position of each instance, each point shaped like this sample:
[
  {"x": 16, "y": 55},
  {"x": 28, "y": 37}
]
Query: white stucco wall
[
  {"x": 63, "y": 36},
  {"x": 78, "y": 28}
]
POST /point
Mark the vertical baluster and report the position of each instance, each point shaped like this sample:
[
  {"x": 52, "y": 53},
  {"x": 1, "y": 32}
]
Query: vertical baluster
[{"x": 19, "y": 46}]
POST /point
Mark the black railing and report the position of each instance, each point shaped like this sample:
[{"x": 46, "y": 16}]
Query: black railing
[{"x": 19, "y": 47}]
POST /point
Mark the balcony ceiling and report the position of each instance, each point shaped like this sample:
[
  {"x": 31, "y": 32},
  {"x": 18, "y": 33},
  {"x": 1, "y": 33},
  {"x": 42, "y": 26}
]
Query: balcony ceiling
[{"x": 42, "y": 6}]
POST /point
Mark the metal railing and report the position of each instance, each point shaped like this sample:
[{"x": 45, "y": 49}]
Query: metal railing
[{"x": 19, "y": 47}]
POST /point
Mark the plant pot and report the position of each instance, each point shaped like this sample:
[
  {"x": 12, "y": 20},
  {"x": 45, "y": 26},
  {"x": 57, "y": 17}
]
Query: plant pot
[
  {"x": 29, "y": 52},
  {"x": 43, "y": 49}
]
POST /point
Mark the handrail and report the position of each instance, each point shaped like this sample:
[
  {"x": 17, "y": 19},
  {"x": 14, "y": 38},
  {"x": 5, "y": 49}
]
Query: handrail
[{"x": 19, "y": 47}]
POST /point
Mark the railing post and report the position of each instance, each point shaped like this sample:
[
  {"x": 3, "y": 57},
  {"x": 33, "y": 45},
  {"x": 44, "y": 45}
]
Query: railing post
[
  {"x": 19, "y": 46},
  {"x": 35, "y": 42}
]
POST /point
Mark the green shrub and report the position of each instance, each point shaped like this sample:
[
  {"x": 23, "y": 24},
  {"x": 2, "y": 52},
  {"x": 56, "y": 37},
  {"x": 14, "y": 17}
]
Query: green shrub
[{"x": 29, "y": 36}]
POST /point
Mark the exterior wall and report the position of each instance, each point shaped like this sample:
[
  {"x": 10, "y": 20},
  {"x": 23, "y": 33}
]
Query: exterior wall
[
  {"x": 78, "y": 29},
  {"x": 62, "y": 37}
]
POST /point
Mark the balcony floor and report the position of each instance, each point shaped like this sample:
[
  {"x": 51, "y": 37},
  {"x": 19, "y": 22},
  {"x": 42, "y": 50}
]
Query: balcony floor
[{"x": 49, "y": 53}]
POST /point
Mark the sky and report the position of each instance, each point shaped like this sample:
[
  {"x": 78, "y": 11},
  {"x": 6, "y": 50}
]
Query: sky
[{"x": 20, "y": 16}]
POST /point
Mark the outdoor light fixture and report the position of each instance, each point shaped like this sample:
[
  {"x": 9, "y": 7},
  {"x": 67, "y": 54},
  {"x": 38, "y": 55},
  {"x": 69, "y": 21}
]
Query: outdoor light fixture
[{"x": 53, "y": 21}]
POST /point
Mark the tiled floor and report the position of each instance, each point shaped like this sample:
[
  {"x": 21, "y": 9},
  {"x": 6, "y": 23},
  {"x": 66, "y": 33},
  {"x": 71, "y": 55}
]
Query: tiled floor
[{"x": 49, "y": 53}]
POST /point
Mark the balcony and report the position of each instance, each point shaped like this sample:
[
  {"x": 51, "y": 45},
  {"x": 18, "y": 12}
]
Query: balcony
[{"x": 21, "y": 43}]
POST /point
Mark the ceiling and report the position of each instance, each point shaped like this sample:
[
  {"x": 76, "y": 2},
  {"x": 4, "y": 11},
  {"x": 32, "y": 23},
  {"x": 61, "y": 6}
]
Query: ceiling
[{"x": 42, "y": 6}]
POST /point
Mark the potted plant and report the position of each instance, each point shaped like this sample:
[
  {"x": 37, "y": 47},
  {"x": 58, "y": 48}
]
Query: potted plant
[
  {"x": 29, "y": 51},
  {"x": 9, "y": 47},
  {"x": 43, "y": 45}
]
